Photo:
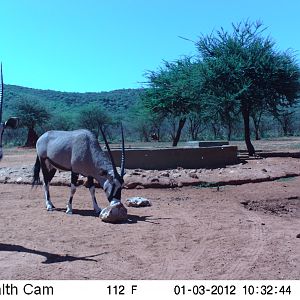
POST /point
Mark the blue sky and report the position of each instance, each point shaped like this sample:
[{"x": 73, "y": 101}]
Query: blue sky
[{"x": 102, "y": 45}]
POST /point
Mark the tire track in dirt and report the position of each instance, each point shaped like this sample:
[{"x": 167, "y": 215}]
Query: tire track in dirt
[
  {"x": 186, "y": 255},
  {"x": 249, "y": 254},
  {"x": 192, "y": 248}
]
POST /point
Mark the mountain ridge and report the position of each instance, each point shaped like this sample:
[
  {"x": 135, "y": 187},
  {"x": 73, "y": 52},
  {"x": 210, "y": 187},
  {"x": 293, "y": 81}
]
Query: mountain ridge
[{"x": 114, "y": 101}]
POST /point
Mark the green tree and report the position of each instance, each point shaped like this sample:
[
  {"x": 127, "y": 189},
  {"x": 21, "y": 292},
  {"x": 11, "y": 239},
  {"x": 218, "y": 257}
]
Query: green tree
[
  {"x": 173, "y": 91},
  {"x": 245, "y": 66},
  {"x": 220, "y": 111},
  {"x": 32, "y": 114},
  {"x": 286, "y": 119},
  {"x": 144, "y": 122},
  {"x": 196, "y": 124},
  {"x": 94, "y": 118},
  {"x": 60, "y": 121}
]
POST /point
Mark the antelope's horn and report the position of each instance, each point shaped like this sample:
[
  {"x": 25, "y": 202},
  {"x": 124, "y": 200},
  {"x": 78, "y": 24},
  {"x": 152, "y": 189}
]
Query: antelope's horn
[
  {"x": 1, "y": 95},
  {"x": 123, "y": 154},
  {"x": 109, "y": 153}
]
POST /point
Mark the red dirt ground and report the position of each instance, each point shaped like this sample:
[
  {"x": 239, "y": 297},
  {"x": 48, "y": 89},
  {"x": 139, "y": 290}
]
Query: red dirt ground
[{"x": 245, "y": 231}]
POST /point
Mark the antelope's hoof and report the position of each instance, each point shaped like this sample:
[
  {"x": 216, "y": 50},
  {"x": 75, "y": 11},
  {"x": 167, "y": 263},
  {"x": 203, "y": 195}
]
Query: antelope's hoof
[{"x": 69, "y": 210}]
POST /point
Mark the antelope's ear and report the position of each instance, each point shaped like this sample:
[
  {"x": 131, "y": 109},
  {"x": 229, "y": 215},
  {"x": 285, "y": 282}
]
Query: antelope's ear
[
  {"x": 12, "y": 122},
  {"x": 103, "y": 172}
]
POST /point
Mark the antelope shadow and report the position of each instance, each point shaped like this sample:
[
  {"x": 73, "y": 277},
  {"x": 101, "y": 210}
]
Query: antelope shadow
[
  {"x": 130, "y": 220},
  {"x": 80, "y": 212},
  {"x": 50, "y": 257},
  {"x": 149, "y": 219}
]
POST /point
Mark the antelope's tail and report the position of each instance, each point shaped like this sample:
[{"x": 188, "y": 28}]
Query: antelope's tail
[{"x": 36, "y": 172}]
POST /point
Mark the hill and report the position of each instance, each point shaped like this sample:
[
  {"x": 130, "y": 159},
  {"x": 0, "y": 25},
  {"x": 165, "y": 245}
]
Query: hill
[{"x": 116, "y": 102}]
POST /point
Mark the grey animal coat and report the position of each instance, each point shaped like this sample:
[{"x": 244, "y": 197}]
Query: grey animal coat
[{"x": 77, "y": 151}]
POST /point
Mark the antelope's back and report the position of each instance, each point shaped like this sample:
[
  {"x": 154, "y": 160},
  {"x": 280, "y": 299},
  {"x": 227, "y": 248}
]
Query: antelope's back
[{"x": 69, "y": 149}]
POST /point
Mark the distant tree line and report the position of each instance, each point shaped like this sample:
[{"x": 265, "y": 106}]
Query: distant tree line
[{"x": 239, "y": 86}]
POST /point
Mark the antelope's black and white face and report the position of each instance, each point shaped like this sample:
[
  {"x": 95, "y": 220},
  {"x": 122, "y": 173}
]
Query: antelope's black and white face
[
  {"x": 11, "y": 123},
  {"x": 113, "y": 188}
]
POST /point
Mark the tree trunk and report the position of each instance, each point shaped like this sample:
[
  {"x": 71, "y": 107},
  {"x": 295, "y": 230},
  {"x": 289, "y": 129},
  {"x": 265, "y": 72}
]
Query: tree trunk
[
  {"x": 215, "y": 130},
  {"x": 32, "y": 138},
  {"x": 158, "y": 134},
  {"x": 178, "y": 133},
  {"x": 229, "y": 131},
  {"x": 246, "y": 118},
  {"x": 257, "y": 137},
  {"x": 193, "y": 128},
  {"x": 285, "y": 126},
  {"x": 146, "y": 136},
  {"x": 256, "y": 121},
  {"x": 256, "y": 128}
]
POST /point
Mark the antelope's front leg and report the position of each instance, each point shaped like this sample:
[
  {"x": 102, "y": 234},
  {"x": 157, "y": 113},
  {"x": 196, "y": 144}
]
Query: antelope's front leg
[
  {"x": 74, "y": 178},
  {"x": 90, "y": 184}
]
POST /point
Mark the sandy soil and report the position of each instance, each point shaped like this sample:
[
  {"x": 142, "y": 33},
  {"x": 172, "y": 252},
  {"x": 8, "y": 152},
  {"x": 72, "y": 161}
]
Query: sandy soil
[{"x": 237, "y": 230}]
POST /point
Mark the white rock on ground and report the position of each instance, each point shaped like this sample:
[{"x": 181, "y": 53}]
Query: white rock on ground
[
  {"x": 137, "y": 202},
  {"x": 113, "y": 214}
]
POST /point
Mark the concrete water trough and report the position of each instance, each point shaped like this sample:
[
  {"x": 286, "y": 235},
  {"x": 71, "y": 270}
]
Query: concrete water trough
[{"x": 174, "y": 157}]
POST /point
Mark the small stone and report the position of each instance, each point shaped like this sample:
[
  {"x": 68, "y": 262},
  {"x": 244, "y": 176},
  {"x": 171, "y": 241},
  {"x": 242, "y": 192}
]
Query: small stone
[
  {"x": 131, "y": 185},
  {"x": 140, "y": 187},
  {"x": 136, "y": 173},
  {"x": 155, "y": 179},
  {"x": 193, "y": 175},
  {"x": 298, "y": 236},
  {"x": 137, "y": 202},
  {"x": 165, "y": 174},
  {"x": 245, "y": 202},
  {"x": 176, "y": 175}
]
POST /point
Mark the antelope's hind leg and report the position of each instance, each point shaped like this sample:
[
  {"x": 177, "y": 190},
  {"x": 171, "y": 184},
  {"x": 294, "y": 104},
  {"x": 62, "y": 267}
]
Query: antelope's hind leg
[
  {"x": 48, "y": 173},
  {"x": 74, "y": 178}
]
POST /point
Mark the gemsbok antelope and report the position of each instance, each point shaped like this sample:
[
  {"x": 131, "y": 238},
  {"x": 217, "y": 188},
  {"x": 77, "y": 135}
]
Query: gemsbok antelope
[
  {"x": 79, "y": 152},
  {"x": 12, "y": 122}
]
